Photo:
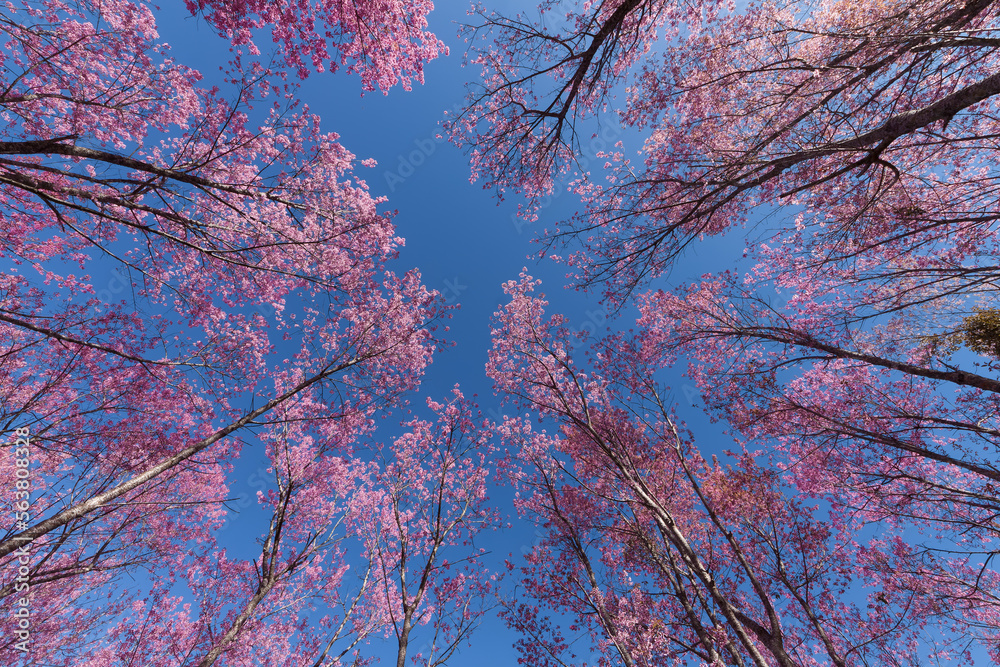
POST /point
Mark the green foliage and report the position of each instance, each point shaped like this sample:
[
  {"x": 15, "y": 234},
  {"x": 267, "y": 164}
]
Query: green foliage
[{"x": 980, "y": 332}]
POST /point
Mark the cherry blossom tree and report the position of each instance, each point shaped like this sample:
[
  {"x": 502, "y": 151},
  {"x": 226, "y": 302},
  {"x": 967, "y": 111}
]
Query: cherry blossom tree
[
  {"x": 386, "y": 43},
  {"x": 855, "y": 342},
  {"x": 660, "y": 556},
  {"x": 418, "y": 512},
  {"x": 258, "y": 310},
  {"x": 876, "y": 118},
  {"x": 885, "y": 424},
  {"x": 311, "y": 597},
  {"x": 294, "y": 604}
]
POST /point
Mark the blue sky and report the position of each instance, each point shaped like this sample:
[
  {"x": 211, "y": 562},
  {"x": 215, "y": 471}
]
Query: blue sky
[{"x": 464, "y": 243}]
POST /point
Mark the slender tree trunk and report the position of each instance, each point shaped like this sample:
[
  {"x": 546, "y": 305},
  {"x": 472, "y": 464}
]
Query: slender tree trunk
[{"x": 94, "y": 503}]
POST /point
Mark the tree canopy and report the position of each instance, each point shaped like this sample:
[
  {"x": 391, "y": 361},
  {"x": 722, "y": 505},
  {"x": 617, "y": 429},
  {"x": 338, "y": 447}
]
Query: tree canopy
[{"x": 851, "y": 349}]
